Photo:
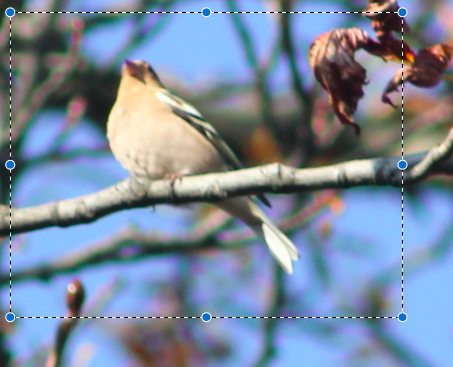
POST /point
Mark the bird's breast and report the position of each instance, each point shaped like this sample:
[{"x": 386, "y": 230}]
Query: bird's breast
[{"x": 156, "y": 144}]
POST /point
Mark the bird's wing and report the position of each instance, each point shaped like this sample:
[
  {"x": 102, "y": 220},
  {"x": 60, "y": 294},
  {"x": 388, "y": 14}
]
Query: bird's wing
[{"x": 191, "y": 115}]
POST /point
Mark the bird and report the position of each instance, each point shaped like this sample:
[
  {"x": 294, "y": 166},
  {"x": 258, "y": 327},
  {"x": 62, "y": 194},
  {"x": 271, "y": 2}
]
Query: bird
[{"x": 155, "y": 134}]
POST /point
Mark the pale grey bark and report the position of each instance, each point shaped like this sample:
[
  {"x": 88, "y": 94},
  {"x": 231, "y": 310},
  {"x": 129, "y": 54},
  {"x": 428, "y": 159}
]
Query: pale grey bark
[{"x": 275, "y": 178}]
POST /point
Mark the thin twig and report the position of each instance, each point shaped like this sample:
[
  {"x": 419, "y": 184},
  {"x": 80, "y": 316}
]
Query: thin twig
[
  {"x": 41, "y": 94},
  {"x": 75, "y": 297},
  {"x": 270, "y": 324},
  {"x": 305, "y": 99},
  {"x": 438, "y": 154},
  {"x": 129, "y": 244},
  {"x": 266, "y": 103}
]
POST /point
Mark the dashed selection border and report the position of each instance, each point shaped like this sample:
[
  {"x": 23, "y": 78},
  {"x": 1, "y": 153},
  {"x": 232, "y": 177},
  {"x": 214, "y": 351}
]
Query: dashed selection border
[
  {"x": 199, "y": 12},
  {"x": 10, "y": 157},
  {"x": 402, "y": 158},
  {"x": 198, "y": 317},
  {"x": 214, "y": 317}
]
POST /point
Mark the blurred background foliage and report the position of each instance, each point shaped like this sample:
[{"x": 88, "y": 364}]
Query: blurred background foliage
[{"x": 173, "y": 262}]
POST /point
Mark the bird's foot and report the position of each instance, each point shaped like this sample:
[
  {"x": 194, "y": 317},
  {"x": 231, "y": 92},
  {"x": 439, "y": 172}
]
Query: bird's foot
[{"x": 173, "y": 177}]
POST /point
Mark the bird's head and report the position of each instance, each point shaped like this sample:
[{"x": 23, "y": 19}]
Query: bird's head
[{"x": 140, "y": 70}]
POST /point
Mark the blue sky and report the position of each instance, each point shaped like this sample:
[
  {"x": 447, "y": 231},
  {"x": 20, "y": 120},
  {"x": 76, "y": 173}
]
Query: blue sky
[{"x": 211, "y": 52}]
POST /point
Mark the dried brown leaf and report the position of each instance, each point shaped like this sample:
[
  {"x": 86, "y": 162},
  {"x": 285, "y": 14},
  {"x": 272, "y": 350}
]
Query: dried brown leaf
[
  {"x": 384, "y": 17},
  {"x": 390, "y": 48},
  {"x": 425, "y": 72},
  {"x": 331, "y": 57}
]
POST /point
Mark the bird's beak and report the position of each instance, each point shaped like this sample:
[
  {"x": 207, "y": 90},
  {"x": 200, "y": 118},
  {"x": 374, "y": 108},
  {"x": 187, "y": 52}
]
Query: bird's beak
[{"x": 131, "y": 68}]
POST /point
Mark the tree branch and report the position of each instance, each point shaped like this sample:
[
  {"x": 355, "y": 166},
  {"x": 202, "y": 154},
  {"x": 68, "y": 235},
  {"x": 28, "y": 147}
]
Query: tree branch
[
  {"x": 437, "y": 154},
  {"x": 129, "y": 244},
  {"x": 125, "y": 246},
  {"x": 276, "y": 178}
]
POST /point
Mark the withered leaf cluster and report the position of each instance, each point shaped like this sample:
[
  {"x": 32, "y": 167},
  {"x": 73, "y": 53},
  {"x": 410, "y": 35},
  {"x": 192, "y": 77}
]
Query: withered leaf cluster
[
  {"x": 331, "y": 56},
  {"x": 426, "y": 70}
]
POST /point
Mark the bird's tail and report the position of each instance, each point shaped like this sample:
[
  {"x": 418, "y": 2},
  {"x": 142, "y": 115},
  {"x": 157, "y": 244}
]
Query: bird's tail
[{"x": 280, "y": 246}]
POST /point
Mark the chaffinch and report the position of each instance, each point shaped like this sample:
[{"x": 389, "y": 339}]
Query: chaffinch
[{"x": 155, "y": 134}]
